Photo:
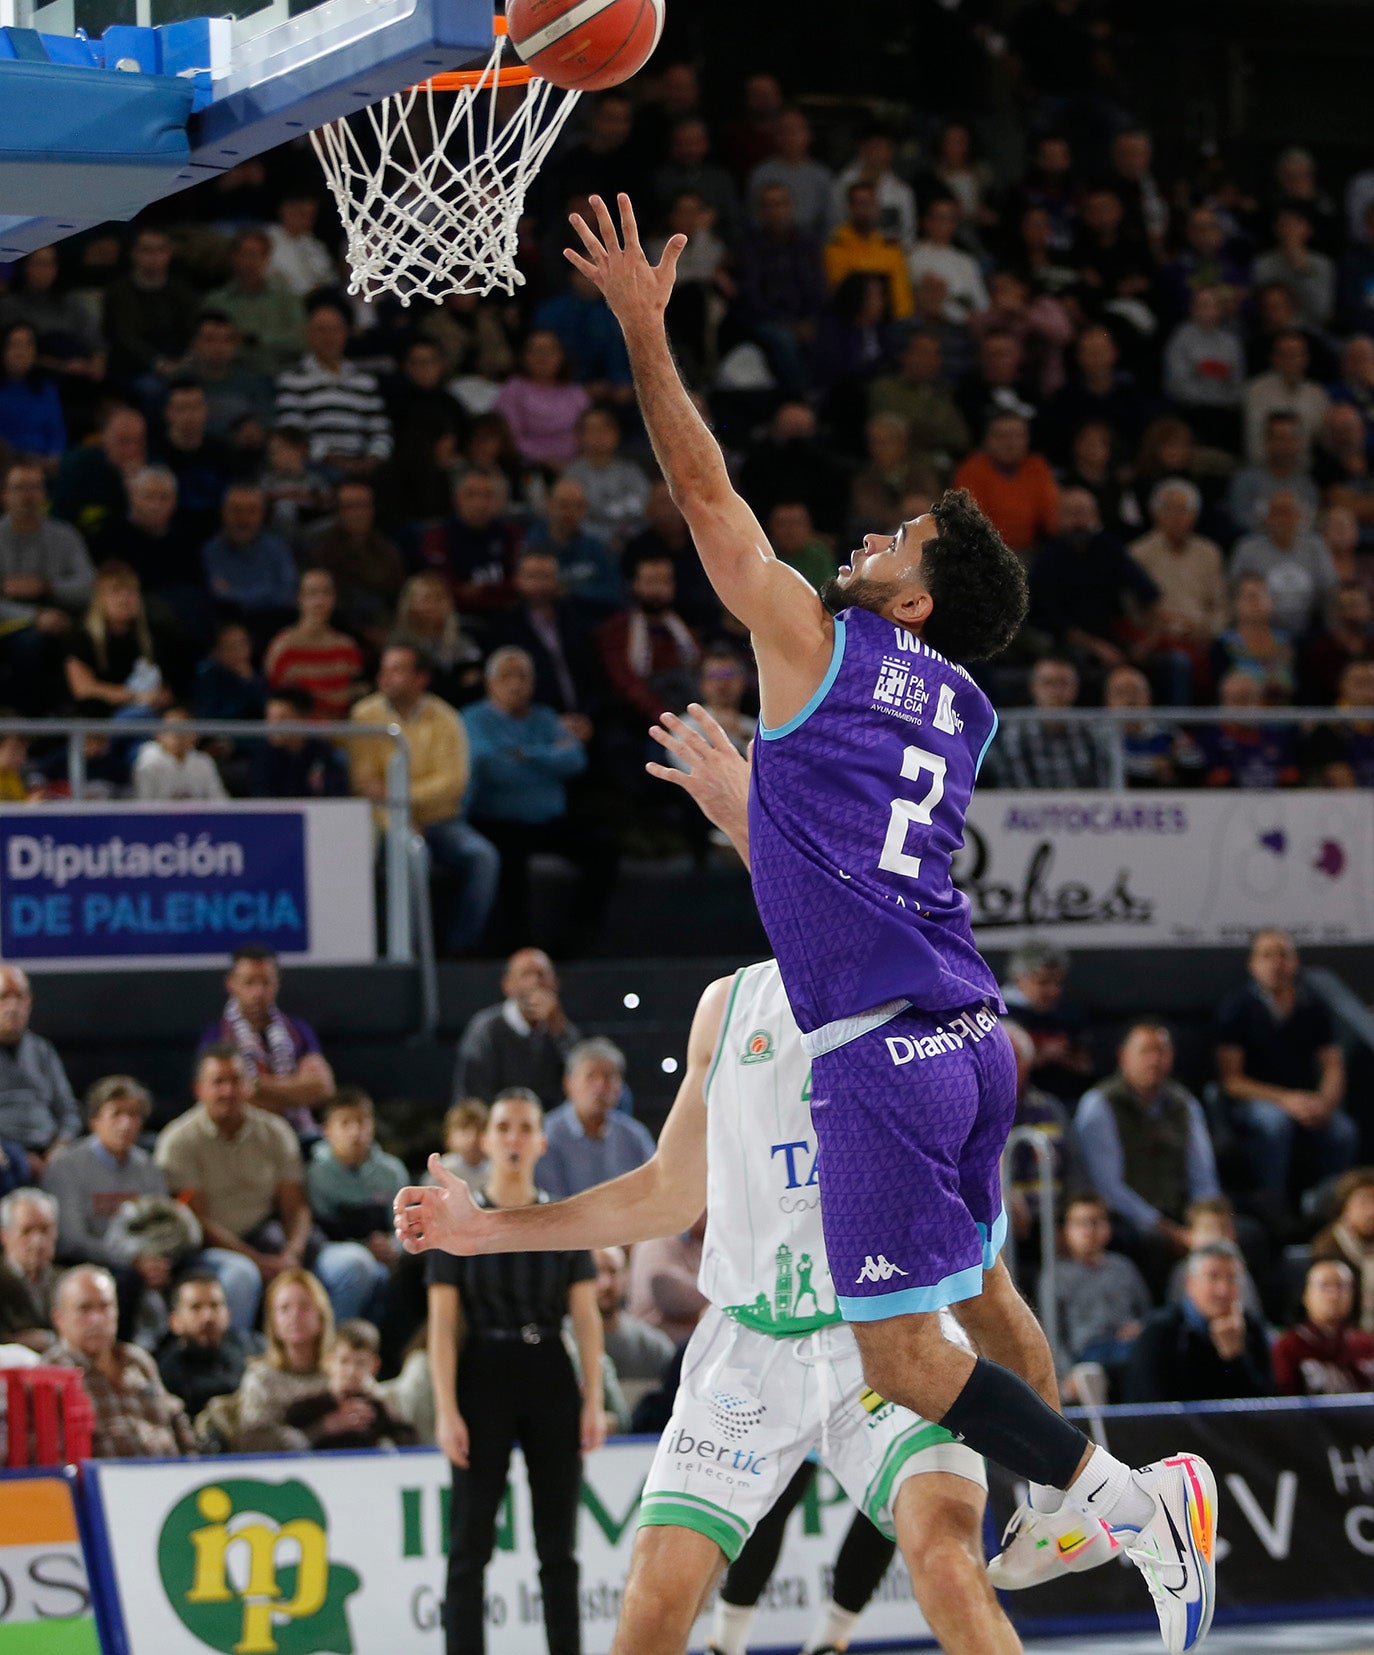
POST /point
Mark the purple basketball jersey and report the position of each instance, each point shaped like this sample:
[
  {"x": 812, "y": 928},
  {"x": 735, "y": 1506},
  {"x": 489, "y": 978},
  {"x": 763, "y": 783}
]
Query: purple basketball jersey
[{"x": 855, "y": 810}]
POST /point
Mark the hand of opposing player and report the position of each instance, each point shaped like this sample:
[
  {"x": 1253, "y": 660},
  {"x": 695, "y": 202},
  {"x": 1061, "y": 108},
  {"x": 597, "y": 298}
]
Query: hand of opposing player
[
  {"x": 442, "y": 1214},
  {"x": 635, "y": 289},
  {"x": 712, "y": 770}
]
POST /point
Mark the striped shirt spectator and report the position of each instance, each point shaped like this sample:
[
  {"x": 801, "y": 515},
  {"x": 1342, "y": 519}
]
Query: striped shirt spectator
[{"x": 338, "y": 405}]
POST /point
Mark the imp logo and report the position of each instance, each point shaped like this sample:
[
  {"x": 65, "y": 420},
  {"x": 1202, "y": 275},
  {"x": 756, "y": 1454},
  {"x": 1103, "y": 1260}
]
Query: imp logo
[
  {"x": 245, "y": 1565},
  {"x": 735, "y": 1416},
  {"x": 758, "y": 1048}
]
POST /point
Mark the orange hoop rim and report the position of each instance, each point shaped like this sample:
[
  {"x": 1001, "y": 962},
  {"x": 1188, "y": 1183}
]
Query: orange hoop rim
[{"x": 457, "y": 80}]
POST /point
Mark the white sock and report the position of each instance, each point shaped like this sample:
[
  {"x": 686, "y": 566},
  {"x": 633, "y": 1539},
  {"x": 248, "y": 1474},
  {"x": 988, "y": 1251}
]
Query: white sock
[
  {"x": 1107, "y": 1489},
  {"x": 730, "y": 1627},
  {"x": 833, "y": 1627},
  {"x": 1044, "y": 1499}
]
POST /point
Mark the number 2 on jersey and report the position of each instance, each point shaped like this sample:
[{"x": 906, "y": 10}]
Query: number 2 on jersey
[{"x": 916, "y": 761}]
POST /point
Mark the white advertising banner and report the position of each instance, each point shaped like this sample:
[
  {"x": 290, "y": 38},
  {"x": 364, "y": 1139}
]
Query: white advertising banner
[
  {"x": 120, "y": 885},
  {"x": 1158, "y": 870},
  {"x": 346, "y": 1553}
]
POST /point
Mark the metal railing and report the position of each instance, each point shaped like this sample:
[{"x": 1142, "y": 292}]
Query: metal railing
[
  {"x": 1114, "y": 720},
  {"x": 405, "y": 860}
]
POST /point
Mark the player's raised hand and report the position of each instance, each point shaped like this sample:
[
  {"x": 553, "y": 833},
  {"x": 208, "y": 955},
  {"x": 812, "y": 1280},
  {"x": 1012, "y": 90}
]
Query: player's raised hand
[
  {"x": 442, "y": 1214},
  {"x": 635, "y": 289},
  {"x": 710, "y": 768}
]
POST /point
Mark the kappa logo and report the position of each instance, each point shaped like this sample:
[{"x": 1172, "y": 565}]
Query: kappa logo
[
  {"x": 878, "y": 1270},
  {"x": 758, "y": 1048}
]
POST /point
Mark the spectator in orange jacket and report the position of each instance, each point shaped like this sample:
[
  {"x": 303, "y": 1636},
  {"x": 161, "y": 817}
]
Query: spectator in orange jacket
[{"x": 1013, "y": 486}]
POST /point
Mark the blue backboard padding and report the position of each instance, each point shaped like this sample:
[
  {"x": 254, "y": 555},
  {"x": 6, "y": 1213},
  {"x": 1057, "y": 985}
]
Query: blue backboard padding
[{"x": 73, "y": 137}]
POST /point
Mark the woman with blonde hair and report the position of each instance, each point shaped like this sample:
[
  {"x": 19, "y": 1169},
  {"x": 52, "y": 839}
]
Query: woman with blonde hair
[
  {"x": 426, "y": 618},
  {"x": 299, "y": 1325},
  {"x": 112, "y": 667}
]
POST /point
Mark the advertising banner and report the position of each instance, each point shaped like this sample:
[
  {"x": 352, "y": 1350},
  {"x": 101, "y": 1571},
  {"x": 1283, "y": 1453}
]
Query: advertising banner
[
  {"x": 1114, "y": 870},
  {"x": 120, "y": 885},
  {"x": 45, "y": 1598}
]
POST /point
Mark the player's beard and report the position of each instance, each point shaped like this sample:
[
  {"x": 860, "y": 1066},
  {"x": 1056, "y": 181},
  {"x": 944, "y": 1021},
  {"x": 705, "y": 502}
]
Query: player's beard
[{"x": 858, "y": 594}]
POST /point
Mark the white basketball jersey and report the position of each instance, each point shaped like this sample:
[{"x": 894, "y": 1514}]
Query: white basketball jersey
[{"x": 763, "y": 1257}]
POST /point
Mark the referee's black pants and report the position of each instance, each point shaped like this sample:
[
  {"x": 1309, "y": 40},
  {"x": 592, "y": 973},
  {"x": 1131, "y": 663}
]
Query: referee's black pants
[{"x": 510, "y": 1392}]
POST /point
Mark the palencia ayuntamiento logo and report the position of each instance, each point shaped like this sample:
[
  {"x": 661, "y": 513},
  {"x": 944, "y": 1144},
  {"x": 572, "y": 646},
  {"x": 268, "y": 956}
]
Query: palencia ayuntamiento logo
[{"x": 245, "y": 1565}]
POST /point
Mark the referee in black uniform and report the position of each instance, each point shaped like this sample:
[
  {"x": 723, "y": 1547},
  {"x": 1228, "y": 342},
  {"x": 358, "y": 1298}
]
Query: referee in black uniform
[{"x": 501, "y": 1376}]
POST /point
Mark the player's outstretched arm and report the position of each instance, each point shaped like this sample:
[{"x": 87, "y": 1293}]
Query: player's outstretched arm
[
  {"x": 773, "y": 601},
  {"x": 663, "y": 1197}
]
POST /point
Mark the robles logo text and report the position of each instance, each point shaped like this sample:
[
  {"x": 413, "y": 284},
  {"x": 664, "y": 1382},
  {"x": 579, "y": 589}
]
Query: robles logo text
[{"x": 245, "y": 1564}]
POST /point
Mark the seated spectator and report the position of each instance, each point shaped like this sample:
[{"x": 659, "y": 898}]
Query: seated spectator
[
  {"x": 202, "y": 1357},
  {"x": 351, "y": 1180},
  {"x": 687, "y": 168},
  {"x": 173, "y": 767},
  {"x": 1149, "y": 749},
  {"x": 338, "y": 405},
  {"x": 1292, "y": 559},
  {"x": 350, "y": 1412},
  {"x": 1213, "y": 1218},
  {"x": 227, "y": 683},
  {"x": 523, "y": 1042},
  {"x": 92, "y": 480},
  {"x": 1347, "y": 637},
  {"x": 233, "y": 392},
  {"x": 1350, "y": 1236},
  {"x": 300, "y": 261},
  {"x": 918, "y": 396},
  {"x": 1323, "y": 1354},
  {"x": 297, "y": 493},
  {"x": 648, "y": 653},
  {"x": 556, "y": 635},
  {"x": 1206, "y": 1349},
  {"x": 286, "y": 1070},
  {"x": 723, "y": 686},
  {"x": 795, "y": 542},
  {"x": 856, "y": 343},
  {"x": 667, "y": 536},
  {"x": 250, "y": 571},
  {"x": 663, "y": 1283},
  {"x": 1356, "y": 382},
  {"x": 1102, "y": 1297},
  {"x": 641, "y": 1353},
  {"x": 15, "y": 1173},
  {"x": 1254, "y": 646},
  {"x": 363, "y": 564},
  {"x": 294, "y": 767},
  {"x": 1014, "y": 487},
  {"x": 465, "y": 1126},
  {"x": 112, "y": 661},
  {"x": 1284, "y": 389},
  {"x": 426, "y": 617},
  {"x": 587, "y": 567},
  {"x": 1097, "y": 389},
  {"x": 1293, "y": 263},
  {"x": 1280, "y": 1065},
  {"x": 428, "y": 426},
  {"x": 999, "y": 383},
  {"x": 965, "y": 292},
  {"x": 781, "y": 285},
  {"x": 135, "y": 1415},
  {"x": 28, "y": 1245},
  {"x": 859, "y": 246},
  {"x": 873, "y": 165},
  {"x": 44, "y": 563},
  {"x": 1343, "y": 754},
  {"x": 239, "y": 1170},
  {"x": 1049, "y": 752},
  {"x": 540, "y": 405},
  {"x": 149, "y": 312},
  {"x": 1284, "y": 466},
  {"x": 298, "y": 1322},
  {"x": 1113, "y": 256},
  {"x": 1147, "y": 1149},
  {"x": 438, "y": 783},
  {"x": 152, "y": 538},
  {"x": 313, "y": 656},
  {"x": 1039, "y": 322},
  {"x": 891, "y": 474},
  {"x": 791, "y": 463},
  {"x": 589, "y": 1139},
  {"x": 200, "y": 463},
  {"x": 37, "y": 1106},
  {"x": 31, "y": 419},
  {"x": 1245, "y": 753},
  {"x": 69, "y": 340},
  {"x": 1037, "y": 1108},
  {"x": 522, "y": 758},
  {"x": 1204, "y": 369},
  {"x": 791, "y": 167},
  {"x": 1340, "y": 464},
  {"x": 588, "y": 332},
  {"x": 473, "y": 549},
  {"x": 614, "y": 489},
  {"x": 1185, "y": 567}
]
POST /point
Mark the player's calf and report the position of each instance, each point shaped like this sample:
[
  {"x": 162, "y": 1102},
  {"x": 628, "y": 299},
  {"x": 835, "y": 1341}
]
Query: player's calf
[
  {"x": 939, "y": 1520},
  {"x": 672, "y": 1572}
]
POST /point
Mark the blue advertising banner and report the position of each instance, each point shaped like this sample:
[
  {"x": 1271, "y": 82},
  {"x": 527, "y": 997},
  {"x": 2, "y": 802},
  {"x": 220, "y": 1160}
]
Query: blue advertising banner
[{"x": 94, "y": 884}]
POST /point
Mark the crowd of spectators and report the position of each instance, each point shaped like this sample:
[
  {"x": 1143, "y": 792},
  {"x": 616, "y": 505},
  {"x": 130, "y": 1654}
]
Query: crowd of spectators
[{"x": 231, "y": 490}]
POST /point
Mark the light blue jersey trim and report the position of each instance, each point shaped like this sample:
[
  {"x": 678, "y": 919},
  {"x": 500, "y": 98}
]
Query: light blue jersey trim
[
  {"x": 832, "y": 672},
  {"x": 907, "y": 1301},
  {"x": 988, "y": 743}
]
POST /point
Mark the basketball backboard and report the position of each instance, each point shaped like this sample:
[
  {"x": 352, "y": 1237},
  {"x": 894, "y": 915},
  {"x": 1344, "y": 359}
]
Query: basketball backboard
[{"x": 83, "y": 141}]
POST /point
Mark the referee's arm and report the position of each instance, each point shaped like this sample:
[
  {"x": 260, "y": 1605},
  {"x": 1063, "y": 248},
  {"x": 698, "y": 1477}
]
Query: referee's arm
[{"x": 445, "y": 1328}]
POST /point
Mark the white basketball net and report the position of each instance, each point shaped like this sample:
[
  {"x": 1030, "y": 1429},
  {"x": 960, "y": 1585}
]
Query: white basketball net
[{"x": 431, "y": 185}]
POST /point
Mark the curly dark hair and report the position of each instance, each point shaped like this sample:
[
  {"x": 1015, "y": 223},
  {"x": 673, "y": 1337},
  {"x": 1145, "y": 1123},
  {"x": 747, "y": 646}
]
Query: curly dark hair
[{"x": 976, "y": 582}]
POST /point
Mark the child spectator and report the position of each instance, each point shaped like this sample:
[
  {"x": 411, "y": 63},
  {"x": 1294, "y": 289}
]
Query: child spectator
[
  {"x": 172, "y": 767},
  {"x": 1323, "y": 1355},
  {"x": 351, "y": 1180},
  {"x": 465, "y": 1125},
  {"x": 350, "y": 1413},
  {"x": 1102, "y": 1297},
  {"x": 1350, "y": 1236}
]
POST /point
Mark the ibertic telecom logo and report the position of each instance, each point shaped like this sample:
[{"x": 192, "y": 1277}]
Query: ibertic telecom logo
[
  {"x": 245, "y": 1565},
  {"x": 758, "y": 1048}
]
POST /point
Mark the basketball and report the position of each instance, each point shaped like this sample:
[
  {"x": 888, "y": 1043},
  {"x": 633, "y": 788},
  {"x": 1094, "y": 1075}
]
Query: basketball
[{"x": 585, "y": 45}]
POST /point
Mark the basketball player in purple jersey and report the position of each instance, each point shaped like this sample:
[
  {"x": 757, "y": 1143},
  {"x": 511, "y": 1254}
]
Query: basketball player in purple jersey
[{"x": 870, "y": 739}]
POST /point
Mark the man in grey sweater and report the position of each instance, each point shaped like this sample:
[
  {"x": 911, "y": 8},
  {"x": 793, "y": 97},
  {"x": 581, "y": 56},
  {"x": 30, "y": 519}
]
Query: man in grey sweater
[
  {"x": 37, "y": 1106},
  {"x": 46, "y": 578},
  {"x": 523, "y": 1041},
  {"x": 93, "y": 1178}
]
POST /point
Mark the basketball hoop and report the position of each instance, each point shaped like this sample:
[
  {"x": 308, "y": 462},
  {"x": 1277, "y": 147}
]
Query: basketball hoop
[{"x": 430, "y": 182}]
